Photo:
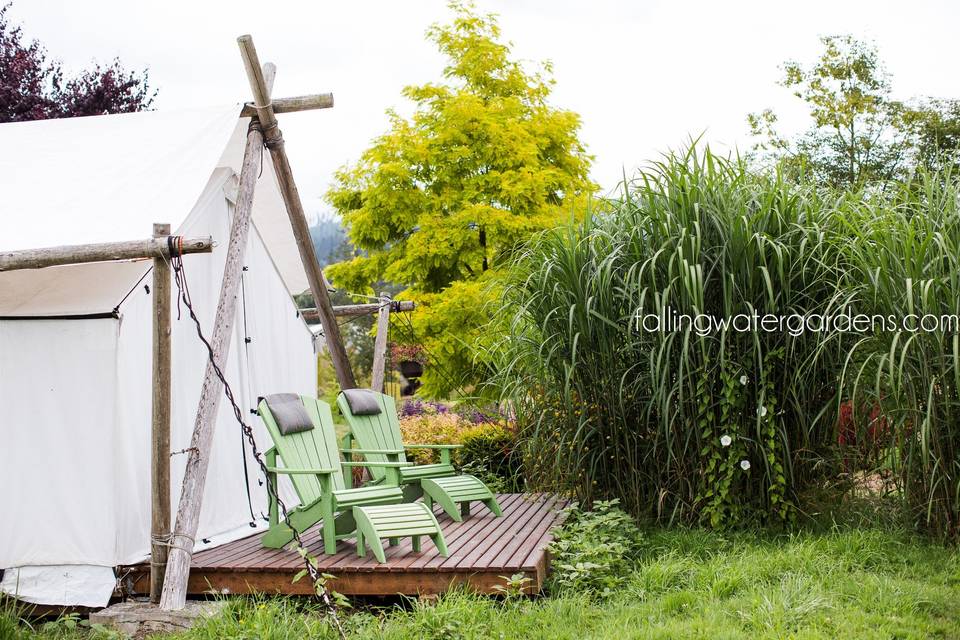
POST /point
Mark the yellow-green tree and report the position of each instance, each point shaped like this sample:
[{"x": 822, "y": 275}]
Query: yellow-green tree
[{"x": 442, "y": 201}]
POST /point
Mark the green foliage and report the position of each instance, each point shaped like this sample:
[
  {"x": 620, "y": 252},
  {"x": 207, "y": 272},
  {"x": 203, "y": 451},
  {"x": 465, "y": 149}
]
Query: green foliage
[
  {"x": 443, "y": 200},
  {"x": 488, "y": 444},
  {"x": 723, "y": 426},
  {"x": 859, "y": 133},
  {"x": 607, "y": 408},
  {"x": 261, "y": 618},
  {"x": 488, "y": 453},
  {"x": 905, "y": 259},
  {"x": 840, "y": 583},
  {"x": 17, "y": 623},
  {"x": 723, "y": 452},
  {"x": 593, "y": 550},
  {"x": 514, "y": 586}
]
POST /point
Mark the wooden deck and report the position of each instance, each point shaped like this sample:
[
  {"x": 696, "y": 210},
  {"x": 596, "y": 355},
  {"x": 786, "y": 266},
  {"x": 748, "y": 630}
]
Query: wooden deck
[{"x": 482, "y": 548}]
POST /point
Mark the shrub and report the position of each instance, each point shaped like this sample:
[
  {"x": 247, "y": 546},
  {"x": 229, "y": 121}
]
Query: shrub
[
  {"x": 488, "y": 453},
  {"x": 488, "y": 440},
  {"x": 430, "y": 428},
  {"x": 593, "y": 551}
]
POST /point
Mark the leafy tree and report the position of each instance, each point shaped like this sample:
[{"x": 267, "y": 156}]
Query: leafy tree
[
  {"x": 331, "y": 244},
  {"x": 859, "y": 133},
  {"x": 441, "y": 202},
  {"x": 934, "y": 129},
  {"x": 33, "y": 87}
]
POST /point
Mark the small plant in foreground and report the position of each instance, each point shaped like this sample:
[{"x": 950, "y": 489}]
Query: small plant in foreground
[
  {"x": 513, "y": 586},
  {"x": 593, "y": 551}
]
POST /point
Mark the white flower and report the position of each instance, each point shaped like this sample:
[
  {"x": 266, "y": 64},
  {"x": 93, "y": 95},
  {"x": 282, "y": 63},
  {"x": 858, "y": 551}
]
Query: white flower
[
  {"x": 762, "y": 411},
  {"x": 745, "y": 464},
  {"x": 743, "y": 380},
  {"x": 726, "y": 440}
]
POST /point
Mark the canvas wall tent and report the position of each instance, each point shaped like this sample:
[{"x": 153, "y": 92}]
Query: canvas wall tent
[{"x": 75, "y": 341}]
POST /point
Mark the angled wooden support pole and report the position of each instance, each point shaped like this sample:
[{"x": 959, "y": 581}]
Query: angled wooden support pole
[
  {"x": 380, "y": 344},
  {"x": 160, "y": 422},
  {"x": 194, "y": 477},
  {"x": 291, "y": 199}
]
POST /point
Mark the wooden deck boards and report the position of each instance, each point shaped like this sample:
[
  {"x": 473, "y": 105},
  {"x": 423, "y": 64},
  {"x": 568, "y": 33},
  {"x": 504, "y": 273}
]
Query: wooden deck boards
[{"x": 482, "y": 549}]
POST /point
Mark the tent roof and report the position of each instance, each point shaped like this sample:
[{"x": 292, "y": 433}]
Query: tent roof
[{"x": 109, "y": 178}]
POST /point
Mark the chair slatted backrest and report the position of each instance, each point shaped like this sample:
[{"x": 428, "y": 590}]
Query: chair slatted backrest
[
  {"x": 381, "y": 431},
  {"x": 312, "y": 449}
]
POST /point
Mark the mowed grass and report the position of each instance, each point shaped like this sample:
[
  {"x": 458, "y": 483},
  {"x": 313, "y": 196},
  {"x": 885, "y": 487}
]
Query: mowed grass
[
  {"x": 854, "y": 584},
  {"x": 857, "y": 583}
]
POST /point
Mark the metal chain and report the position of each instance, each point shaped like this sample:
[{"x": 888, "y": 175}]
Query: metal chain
[{"x": 180, "y": 279}]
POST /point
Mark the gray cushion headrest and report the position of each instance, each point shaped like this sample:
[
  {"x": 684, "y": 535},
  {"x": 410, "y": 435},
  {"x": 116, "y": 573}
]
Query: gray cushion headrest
[
  {"x": 362, "y": 402},
  {"x": 289, "y": 413}
]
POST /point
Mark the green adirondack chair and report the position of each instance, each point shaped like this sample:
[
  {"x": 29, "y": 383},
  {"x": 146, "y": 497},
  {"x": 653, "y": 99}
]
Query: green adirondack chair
[
  {"x": 306, "y": 444},
  {"x": 376, "y": 428}
]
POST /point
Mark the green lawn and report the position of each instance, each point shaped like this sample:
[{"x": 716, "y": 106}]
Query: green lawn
[{"x": 854, "y": 583}]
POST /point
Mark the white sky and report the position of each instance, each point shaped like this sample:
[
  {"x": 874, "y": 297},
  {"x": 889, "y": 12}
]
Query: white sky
[{"x": 644, "y": 76}]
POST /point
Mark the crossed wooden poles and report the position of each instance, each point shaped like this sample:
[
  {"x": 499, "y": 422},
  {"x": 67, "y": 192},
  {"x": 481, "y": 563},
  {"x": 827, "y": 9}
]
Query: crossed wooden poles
[{"x": 171, "y": 552}]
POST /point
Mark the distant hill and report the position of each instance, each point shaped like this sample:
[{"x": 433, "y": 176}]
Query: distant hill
[{"x": 329, "y": 240}]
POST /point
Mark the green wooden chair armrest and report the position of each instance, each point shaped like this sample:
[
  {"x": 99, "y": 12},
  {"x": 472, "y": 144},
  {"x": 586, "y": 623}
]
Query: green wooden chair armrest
[
  {"x": 312, "y": 472},
  {"x": 373, "y": 463},
  {"x": 363, "y": 452},
  {"x": 432, "y": 446}
]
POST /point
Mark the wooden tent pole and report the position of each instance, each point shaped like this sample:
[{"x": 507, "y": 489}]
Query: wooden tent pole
[
  {"x": 160, "y": 423},
  {"x": 352, "y": 310},
  {"x": 292, "y": 105},
  {"x": 100, "y": 252},
  {"x": 380, "y": 344},
  {"x": 194, "y": 477},
  {"x": 291, "y": 199}
]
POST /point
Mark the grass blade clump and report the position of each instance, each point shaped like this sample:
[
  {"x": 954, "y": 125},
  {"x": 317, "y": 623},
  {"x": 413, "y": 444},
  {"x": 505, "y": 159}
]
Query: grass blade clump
[
  {"x": 904, "y": 263},
  {"x": 692, "y": 424}
]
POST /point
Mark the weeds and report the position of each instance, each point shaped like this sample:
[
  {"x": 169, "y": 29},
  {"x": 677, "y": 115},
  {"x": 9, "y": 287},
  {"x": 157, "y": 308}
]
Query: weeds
[{"x": 593, "y": 550}]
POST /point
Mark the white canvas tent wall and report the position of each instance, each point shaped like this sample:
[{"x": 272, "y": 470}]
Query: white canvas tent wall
[{"x": 75, "y": 342}]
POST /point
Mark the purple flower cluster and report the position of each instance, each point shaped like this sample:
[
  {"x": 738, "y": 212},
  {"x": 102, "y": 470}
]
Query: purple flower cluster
[
  {"x": 418, "y": 407},
  {"x": 476, "y": 416}
]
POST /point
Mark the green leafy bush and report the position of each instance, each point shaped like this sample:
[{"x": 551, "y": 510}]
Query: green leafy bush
[
  {"x": 488, "y": 453},
  {"x": 593, "y": 551},
  {"x": 488, "y": 441}
]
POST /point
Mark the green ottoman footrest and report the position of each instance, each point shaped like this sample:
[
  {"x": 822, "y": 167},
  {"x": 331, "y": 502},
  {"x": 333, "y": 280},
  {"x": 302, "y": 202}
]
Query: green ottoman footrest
[
  {"x": 396, "y": 521},
  {"x": 458, "y": 490}
]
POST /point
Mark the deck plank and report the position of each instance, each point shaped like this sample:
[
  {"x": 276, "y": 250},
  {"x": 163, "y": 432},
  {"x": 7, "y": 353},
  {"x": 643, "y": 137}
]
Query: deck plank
[{"x": 482, "y": 548}]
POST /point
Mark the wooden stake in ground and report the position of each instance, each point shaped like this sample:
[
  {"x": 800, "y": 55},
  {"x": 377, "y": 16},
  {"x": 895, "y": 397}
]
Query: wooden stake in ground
[
  {"x": 195, "y": 475},
  {"x": 291, "y": 199},
  {"x": 160, "y": 423},
  {"x": 380, "y": 344}
]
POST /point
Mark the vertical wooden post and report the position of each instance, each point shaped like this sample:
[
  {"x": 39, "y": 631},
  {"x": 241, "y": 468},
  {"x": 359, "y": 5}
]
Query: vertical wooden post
[
  {"x": 380, "y": 344},
  {"x": 160, "y": 422},
  {"x": 298, "y": 221},
  {"x": 194, "y": 477}
]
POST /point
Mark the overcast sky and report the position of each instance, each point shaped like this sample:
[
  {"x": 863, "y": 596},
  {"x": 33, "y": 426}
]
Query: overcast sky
[{"x": 643, "y": 75}]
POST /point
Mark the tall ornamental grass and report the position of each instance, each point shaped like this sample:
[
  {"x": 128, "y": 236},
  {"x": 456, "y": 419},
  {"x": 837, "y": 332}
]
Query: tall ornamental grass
[
  {"x": 719, "y": 425},
  {"x": 903, "y": 257},
  {"x": 693, "y": 425}
]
